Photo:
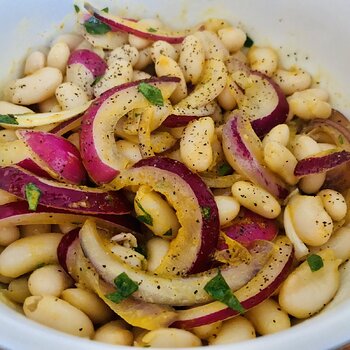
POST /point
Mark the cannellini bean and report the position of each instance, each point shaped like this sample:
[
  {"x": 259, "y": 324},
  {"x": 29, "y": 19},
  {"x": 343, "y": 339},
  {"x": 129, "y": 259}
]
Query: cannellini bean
[
  {"x": 326, "y": 146},
  {"x": 18, "y": 290},
  {"x": 156, "y": 213},
  {"x": 72, "y": 40},
  {"x": 195, "y": 145},
  {"x": 85, "y": 45},
  {"x": 305, "y": 292},
  {"x": 311, "y": 222},
  {"x": 312, "y": 183},
  {"x": 75, "y": 140},
  {"x": 339, "y": 243},
  {"x": 256, "y": 199},
  {"x": 207, "y": 331},
  {"x": 35, "y": 61},
  {"x": 89, "y": 303},
  {"x": 125, "y": 52},
  {"x": 304, "y": 146},
  {"x": 109, "y": 41},
  {"x": 147, "y": 23},
  {"x": 25, "y": 254},
  {"x": 279, "y": 133},
  {"x": 58, "y": 56},
  {"x": 145, "y": 58},
  {"x": 114, "y": 333},
  {"x": 228, "y": 208},
  {"x": 212, "y": 45},
  {"x": 263, "y": 59},
  {"x": 36, "y": 87},
  {"x": 139, "y": 333},
  {"x": 11, "y": 108},
  {"x": 49, "y": 280},
  {"x": 334, "y": 203},
  {"x": 161, "y": 47},
  {"x": 232, "y": 38},
  {"x": 8, "y": 135},
  {"x": 226, "y": 99},
  {"x": 192, "y": 59},
  {"x": 35, "y": 229},
  {"x": 119, "y": 73},
  {"x": 215, "y": 24},
  {"x": 156, "y": 250},
  {"x": 9, "y": 234},
  {"x": 166, "y": 66},
  {"x": 281, "y": 161},
  {"x": 177, "y": 132},
  {"x": 6, "y": 197},
  {"x": 58, "y": 314},
  {"x": 293, "y": 80},
  {"x": 129, "y": 150},
  {"x": 162, "y": 141},
  {"x": 49, "y": 105},
  {"x": 70, "y": 96},
  {"x": 138, "y": 75},
  {"x": 267, "y": 317},
  {"x": 232, "y": 331},
  {"x": 171, "y": 338}
]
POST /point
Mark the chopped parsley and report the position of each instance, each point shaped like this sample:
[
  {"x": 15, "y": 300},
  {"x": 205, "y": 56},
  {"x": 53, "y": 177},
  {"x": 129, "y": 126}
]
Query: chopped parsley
[
  {"x": 125, "y": 287},
  {"x": 8, "y": 119},
  {"x": 152, "y": 30},
  {"x": 248, "y": 42},
  {"x": 315, "y": 262},
  {"x": 225, "y": 169},
  {"x": 76, "y": 8},
  {"x": 33, "y": 194},
  {"x": 206, "y": 212},
  {"x": 94, "y": 26},
  {"x": 218, "y": 289},
  {"x": 340, "y": 139},
  {"x": 151, "y": 93},
  {"x": 106, "y": 9},
  {"x": 168, "y": 233},
  {"x": 146, "y": 218},
  {"x": 97, "y": 79}
]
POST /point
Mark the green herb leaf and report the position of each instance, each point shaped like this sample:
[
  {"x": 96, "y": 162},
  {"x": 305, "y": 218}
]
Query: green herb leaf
[
  {"x": 220, "y": 290},
  {"x": 125, "y": 287},
  {"x": 315, "y": 262},
  {"x": 152, "y": 94},
  {"x": 152, "y": 30},
  {"x": 8, "y": 119},
  {"x": 248, "y": 42},
  {"x": 94, "y": 26},
  {"x": 76, "y": 8},
  {"x": 168, "y": 233},
  {"x": 97, "y": 79},
  {"x": 146, "y": 219},
  {"x": 106, "y": 9},
  {"x": 32, "y": 195},
  {"x": 340, "y": 139},
  {"x": 225, "y": 169},
  {"x": 206, "y": 212}
]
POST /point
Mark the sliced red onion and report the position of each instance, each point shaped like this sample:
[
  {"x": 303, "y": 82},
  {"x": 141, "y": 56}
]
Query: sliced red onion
[
  {"x": 60, "y": 196},
  {"x": 319, "y": 164},
  {"x": 243, "y": 152},
  {"x": 66, "y": 126},
  {"x": 31, "y": 166}
]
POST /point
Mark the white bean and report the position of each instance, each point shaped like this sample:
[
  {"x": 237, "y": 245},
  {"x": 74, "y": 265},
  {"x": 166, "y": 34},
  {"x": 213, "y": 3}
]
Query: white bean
[
  {"x": 114, "y": 333},
  {"x": 305, "y": 292},
  {"x": 312, "y": 183},
  {"x": 109, "y": 41},
  {"x": 226, "y": 99},
  {"x": 145, "y": 58},
  {"x": 9, "y": 234},
  {"x": 192, "y": 59},
  {"x": 171, "y": 338},
  {"x": 125, "y": 52},
  {"x": 232, "y": 331},
  {"x": 49, "y": 105},
  {"x": 156, "y": 213},
  {"x": 75, "y": 140},
  {"x": 334, "y": 203},
  {"x": 281, "y": 161},
  {"x": 79, "y": 75},
  {"x": 70, "y": 96},
  {"x": 311, "y": 222},
  {"x": 139, "y": 75},
  {"x": 279, "y": 133},
  {"x": 36, "y": 87},
  {"x": 207, "y": 331},
  {"x": 212, "y": 45},
  {"x": 25, "y": 254},
  {"x": 49, "y": 280},
  {"x": 18, "y": 290},
  {"x": 35, "y": 61},
  {"x": 263, "y": 59},
  {"x": 58, "y": 314},
  {"x": 228, "y": 208},
  {"x": 304, "y": 146},
  {"x": 11, "y": 108},
  {"x": 147, "y": 23},
  {"x": 72, "y": 40},
  {"x": 89, "y": 303},
  {"x": 256, "y": 199},
  {"x": 161, "y": 47},
  {"x": 267, "y": 317},
  {"x": 293, "y": 80},
  {"x": 58, "y": 56},
  {"x": 35, "y": 229},
  {"x": 195, "y": 145},
  {"x": 8, "y": 135},
  {"x": 156, "y": 250},
  {"x": 162, "y": 141},
  {"x": 232, "y": 38},
  {"x": 85, "y": 45}
]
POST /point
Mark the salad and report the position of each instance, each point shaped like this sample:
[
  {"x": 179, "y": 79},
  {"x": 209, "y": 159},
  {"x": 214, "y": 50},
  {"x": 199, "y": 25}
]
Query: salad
[{"x": 169, "y": 188}]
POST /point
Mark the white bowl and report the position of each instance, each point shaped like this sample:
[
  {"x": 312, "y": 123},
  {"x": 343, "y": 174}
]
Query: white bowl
[{"x": 313, "y": 35}]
